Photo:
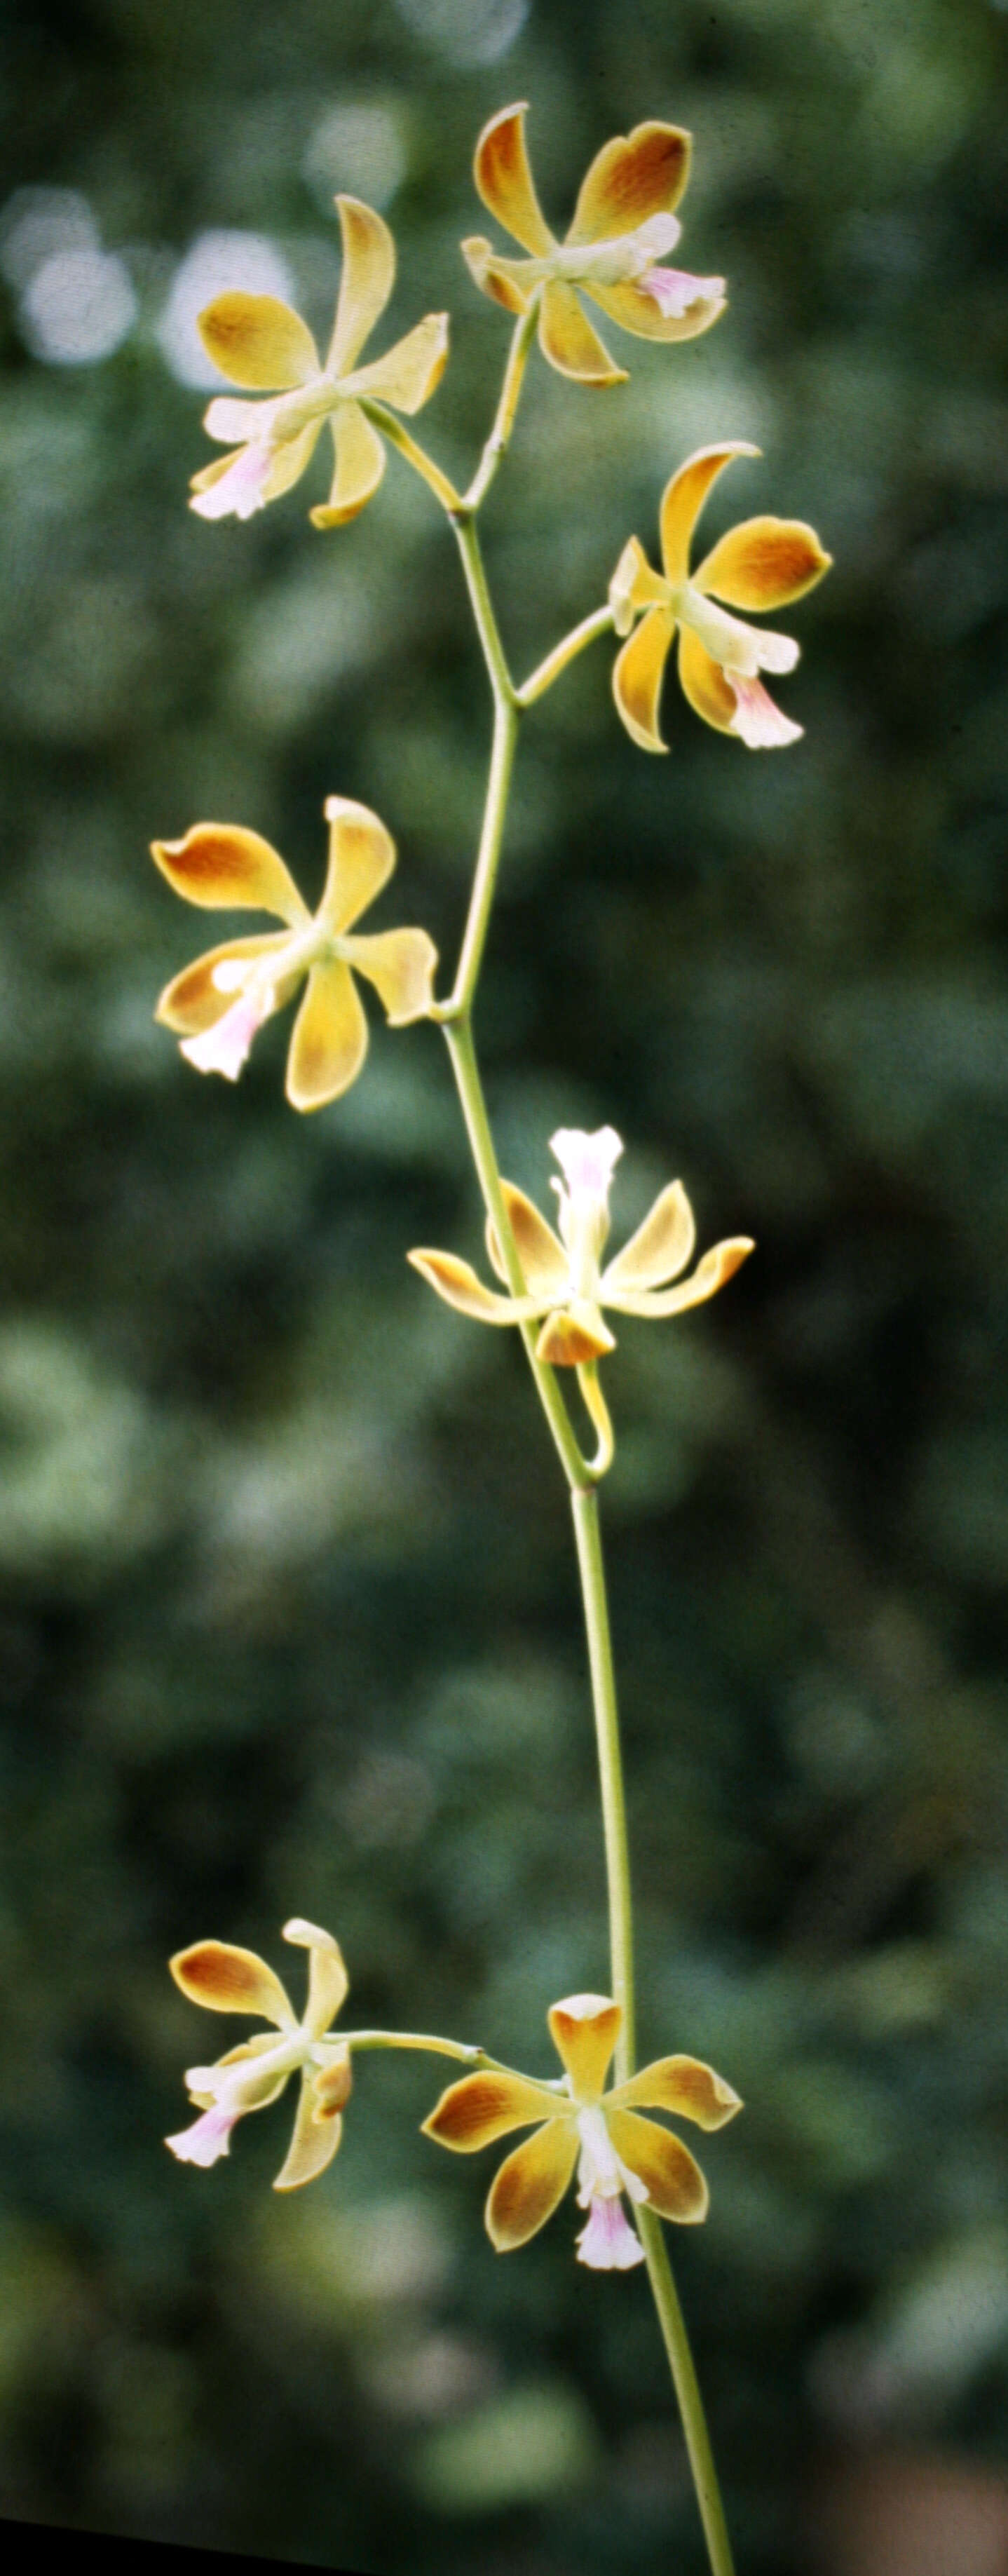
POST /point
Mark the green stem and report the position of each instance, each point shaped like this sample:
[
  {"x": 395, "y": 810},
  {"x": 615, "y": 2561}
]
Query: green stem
[
  {"x": 518, "y": 357},
  {"x": 392, "y": 429},
  {"x": 599, "y": 623}
]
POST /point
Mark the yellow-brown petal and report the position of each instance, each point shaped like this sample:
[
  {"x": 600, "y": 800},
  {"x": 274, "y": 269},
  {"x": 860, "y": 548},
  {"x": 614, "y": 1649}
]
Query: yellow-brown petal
[
  {"x": 584, "y": 2029},
  {"x": 192, "y": 1002},
  {"x": 567, "y": 339},
  {"x": 660, "y": 1248},
  {"x": 499, "y": 278},
  {"x": 541, "y": 1254},
  {"x": 504, "y": 180},
  {"x": 573, "y": 1334},
  {"x": 361, "y": 859},
  {"x": 458, "y": 1283},
  {"x": 675, "y": 2185},
  {"x": 228, "y": 1979},
  {"x": 360, "y": 464},
  {"x": 258, "y": 341},
  {"x": 401, "y": 964},
  {"x": 328, "y": 1983},
  {"x": 703, "y": 682},
  {"x": 366, "y": 283},
  {"x": 226, "y": 868},
  {"x": 680, "y": 2084},
  {"x": 314, "y": 2140},
  {"x": 684, "y": 497},
  {"x": 713, "y": 1272},
  {"x": 480, "y": 2108},
  {"x": 330, "y": 1038},
  {"x": 763, "y": 563},
  {"x": 531, "y": 2182},
  {"x": 637, "y": 677},
  {"x": 410, "y": 372},
  {"x": 642, "y": 314},
  {"x": 635, "y": 586},
  {"x": 289, "y": 461},
  {"x": 636, "y": 175}
]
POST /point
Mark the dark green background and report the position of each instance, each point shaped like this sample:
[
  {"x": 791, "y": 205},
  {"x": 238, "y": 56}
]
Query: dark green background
[{"x": 290, "y": 1618}]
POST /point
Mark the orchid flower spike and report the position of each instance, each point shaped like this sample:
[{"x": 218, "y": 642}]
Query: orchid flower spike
[
  {"x": 566, "y": 1285},
  {"x": 255, "y": 2073},
  {"x": 762, "y": 563},
  {"x": 578, "y": 2122},
  {"x": 217, "y": 1004},
  {"x": 258, "y": 342},
  {"x": 623, "y": 225}
]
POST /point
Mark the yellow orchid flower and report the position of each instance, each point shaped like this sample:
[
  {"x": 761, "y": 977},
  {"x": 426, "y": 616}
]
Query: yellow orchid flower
[
  {"x": 248, "y": 2077},
  {"x": 577, "y": 2121},
  {"x": 762, "y": 563},
  {"x": 257, "y": 341},
  {"x": 623, "y": 225},
  {"x": 565, "y": 1283},
  {"x": 218, "y": 1003}
]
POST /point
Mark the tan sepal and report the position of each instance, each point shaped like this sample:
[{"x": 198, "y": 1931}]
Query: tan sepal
[
  {"x": 401, "y": 964},
  {"x": 366, "y": 283},
  {"x": 660, "y": 1248},
  {"x": 684, "y": 497},
  {"x": 567, "y": 339},
  {"x": 763, "y": 563},
  {"x": 330, "y": 1038},
  {"x": 505, "y": 183},
  {"x": 683, "y": 2085},
  {"x": 531, "y": 2182},
  {"x": 636, "y": 175},
  {"x": 637, "y": 677},
  {"x": 634, "y": 586},
  {"x": 584, "y": 2029},
  {"x": 228, "y": 1979},
  {"x": 495, "y": 276},
  {"x": 360, "y": 464},
  {"x": 333, "y": 2085},
  {"x": 480, "y": 2108},
  {"x": 407, "y": 375},
  {"x": 328, "y": 1983},
  {"x": 457, "y": 1282},
  {"x": 542, "y": 1256},
  {"x": 258, "y": 341},
  {"x": 573, "y": 1334},
  {"x": 703, "y": 682},
  {"x": 675, "y": 2185},
  {"x": 225, "y": 868},
  {"x": 599, "y": 1416},
  {"x": 290, "y": 460},
  {"x": 362, "y": 857},
  {"x": 313, "y": 2143},
  {"x": 635, "y": 311},
  {"x": 192, "y": 1002},
  {"x": 713, "y": 1272}
]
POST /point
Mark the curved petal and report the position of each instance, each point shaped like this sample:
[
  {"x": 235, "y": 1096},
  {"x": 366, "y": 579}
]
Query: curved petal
[
  {"x": 328, "y": 1983},
  {"x": 678, "y": 308},
  {"x": 316, "y": 2136},
  {"x": 684, "y": 497},
  {"x": 457, "y": 1282},
  {"x": 289, "y": 460},
  {"x": 703, "y": 682},
  {"x": 637, "y": 677},
  {"x": 573, "y": 1334},
  {"x": 366, "y": 283},
  {"x": 226, "y": 868},
  {"x": 675, "y": 2185},
  {"x": 712, "y": 1273},
  {"x": 258, "y": 341},
  {"x": 530, "y": 2184},
  {"x": 584, "y": 2030},
  {"x": 567, "y": 339},
  {"x": 360, "y": 464},
  {"x": 232, "y": 1980},
  {"x": 660, "y": 1248},
  {"x": 763, "y": 563},
  {"x": 329, "y": 1040},
  {"x": 499, "y": 278},
  {"x": 504, "y": 180},
  {"x": 636, "y": 175},
  {"x": 362, "y": 856},
  {"x": 540, "y": 1252},
  {"x": 401, "y": 964},
  {"x": 480, "y": 2108},
  {"x": 635, "y": 586},
  {"x": 192, "y": 1001},
  {"x": 681, "y": 2084},
  {"x": 410, "y": 372}
]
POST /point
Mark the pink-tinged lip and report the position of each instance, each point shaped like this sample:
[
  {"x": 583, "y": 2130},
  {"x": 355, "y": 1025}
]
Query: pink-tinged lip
[
  {"x": 608, "y": 2243},
  {"x": 675, "y": 291},
  {"x": 225, "y": 1048},
  {"x": 208, "y": 2138},
  {"x": 761, "y": 724}
]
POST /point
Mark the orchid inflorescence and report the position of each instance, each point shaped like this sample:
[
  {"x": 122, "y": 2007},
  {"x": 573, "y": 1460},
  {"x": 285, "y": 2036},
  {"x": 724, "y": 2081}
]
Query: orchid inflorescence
[{"x": 555, "y": 1284}]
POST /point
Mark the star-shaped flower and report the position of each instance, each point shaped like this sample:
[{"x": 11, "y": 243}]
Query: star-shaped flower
[
  {"x": 564, "y": 1281},
  {"x": 763, "y": 563},
  {"x": 257, "y": 341},
  {"x": 578, "y": 2122},
  {"x": 623, "y": 225},
  {"x": 218, "y": 1003},
  {"x": 248, "y": 2077}
]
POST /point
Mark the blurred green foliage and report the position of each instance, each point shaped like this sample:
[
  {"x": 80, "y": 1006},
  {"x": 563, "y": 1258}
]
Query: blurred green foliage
[{"x": 289, "y": 1618}]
